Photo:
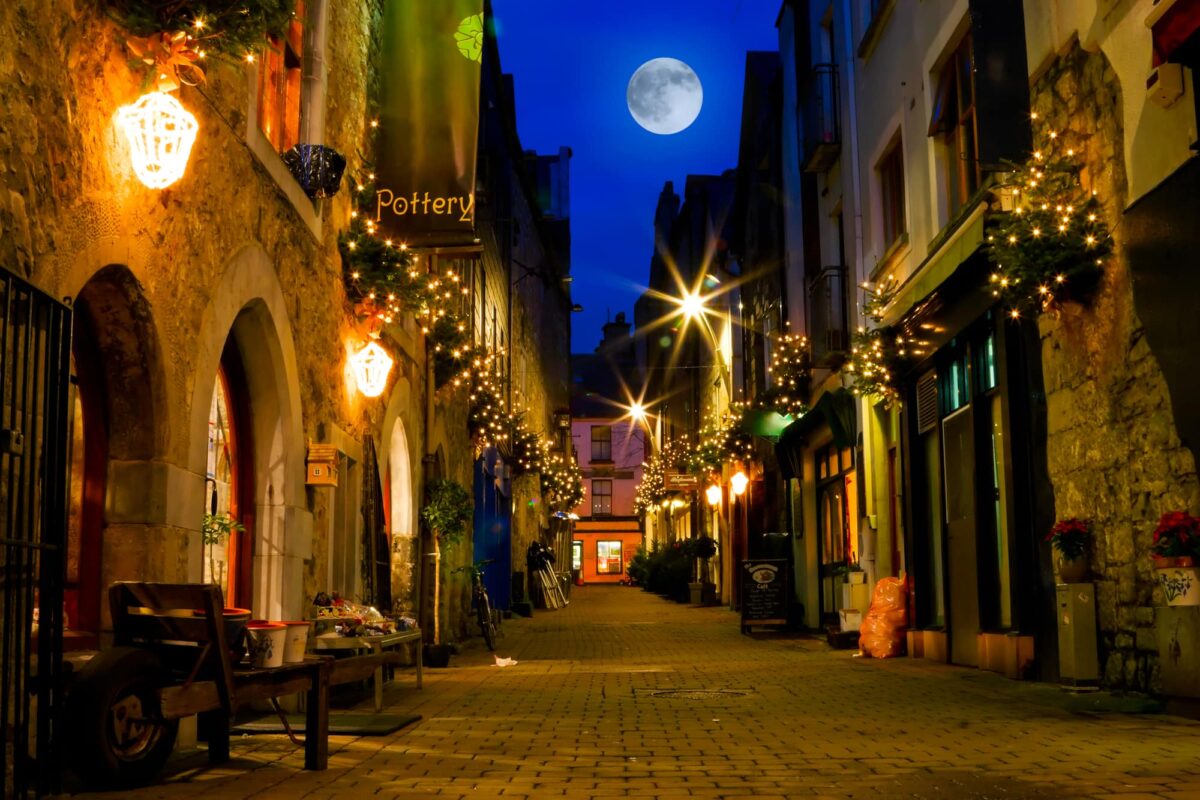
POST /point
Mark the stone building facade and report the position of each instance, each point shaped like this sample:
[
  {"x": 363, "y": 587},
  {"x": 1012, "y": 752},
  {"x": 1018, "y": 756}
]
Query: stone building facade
[
  {"x": 222, "y": 298},
  {"x": 1114, "y": 454}
]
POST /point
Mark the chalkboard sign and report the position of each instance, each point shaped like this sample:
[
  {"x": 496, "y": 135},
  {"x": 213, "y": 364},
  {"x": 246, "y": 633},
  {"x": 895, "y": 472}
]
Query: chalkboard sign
[{"x": 764, "y": 592}]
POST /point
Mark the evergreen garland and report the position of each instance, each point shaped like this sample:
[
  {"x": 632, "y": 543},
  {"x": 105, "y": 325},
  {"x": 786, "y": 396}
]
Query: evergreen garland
[
  {"x": 875, "y": 357},
  {"x": 562, "y": 481},
  {"x": 652, "y": 488},
  {"x": 528, "y": 449},
  {"x": 791, "y": 374},
  {"x": 232, "y": 28},
  {"x": 1052, "y": 244}
]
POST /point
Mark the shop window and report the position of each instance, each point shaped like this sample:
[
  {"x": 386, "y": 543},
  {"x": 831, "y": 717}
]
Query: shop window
[
  {"x": 608, "y": 558},
  {"x": 280, "y": 84},
  {"x": 985, "y": 363},
  {"x": 601, "y": 443},
  {"x": 577, "y": 554},
  {"x": 891, "y": 193},
  {"x": 953, "y": 389},
  {"x": 601, "y": 498},
  {"x": 954, "y": 124}
]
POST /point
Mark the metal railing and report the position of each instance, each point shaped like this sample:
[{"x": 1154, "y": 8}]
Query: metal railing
[
  {"x": 828, "y": 318},
  {"x": 35, "y": 373},
  {"x": 820, "y": 126}
]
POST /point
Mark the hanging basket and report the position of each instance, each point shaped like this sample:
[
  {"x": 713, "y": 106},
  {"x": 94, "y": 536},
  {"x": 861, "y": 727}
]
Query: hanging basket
[{"x": 317, "y": 168}]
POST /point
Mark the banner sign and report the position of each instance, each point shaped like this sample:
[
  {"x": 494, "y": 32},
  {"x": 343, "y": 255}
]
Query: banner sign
[{"x": 429, "y": 121}]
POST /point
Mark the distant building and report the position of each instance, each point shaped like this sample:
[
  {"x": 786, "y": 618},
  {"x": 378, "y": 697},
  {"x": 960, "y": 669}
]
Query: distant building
[{"x": 610, "y": 448}]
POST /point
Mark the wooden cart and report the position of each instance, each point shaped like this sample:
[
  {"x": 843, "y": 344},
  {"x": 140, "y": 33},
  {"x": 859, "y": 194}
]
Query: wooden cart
[{"x": 172, "y": 660}]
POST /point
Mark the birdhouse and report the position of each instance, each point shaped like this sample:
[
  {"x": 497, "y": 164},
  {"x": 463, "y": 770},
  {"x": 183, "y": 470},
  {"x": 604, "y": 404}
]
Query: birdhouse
[{"x": 322, "y": 465}]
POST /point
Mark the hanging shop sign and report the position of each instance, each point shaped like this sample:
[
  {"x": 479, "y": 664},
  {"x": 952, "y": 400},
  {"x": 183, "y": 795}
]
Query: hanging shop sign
[
  {"x": 681, "y": 482},
  {"x": 322, "y": 465},
  {"x": 429, "y": 121}
]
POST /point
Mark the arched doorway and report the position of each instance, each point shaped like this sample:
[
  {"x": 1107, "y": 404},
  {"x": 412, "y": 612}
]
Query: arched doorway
[
  {"x": 117, "y": 395},
  {"x": 228, "y": 534},
  {"x": 401, "y": 515}
]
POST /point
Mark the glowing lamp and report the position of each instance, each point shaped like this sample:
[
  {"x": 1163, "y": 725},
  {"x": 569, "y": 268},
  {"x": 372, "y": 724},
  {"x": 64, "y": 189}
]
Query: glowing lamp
[
  {"x": 713, "y": 493},
  {"x": 738, "y": 483},
  {"x": 638, "y": 412},
  {"x": 692, "y": 305},
  {"x": 371, "y": 367},
  {"x": 161, "y": 133}
]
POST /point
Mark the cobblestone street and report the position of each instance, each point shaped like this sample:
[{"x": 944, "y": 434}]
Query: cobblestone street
[{"x": 625, "y": 694}]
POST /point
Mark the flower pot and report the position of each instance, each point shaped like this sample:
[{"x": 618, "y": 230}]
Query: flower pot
[
  {"x": 296, "y": 642},
  {"x": 1180, "y": 583},
  {"x": 235, "y": 630},
  {"x": 1070, "y": 570},
  {"x": 267, "y": 641},
  {"x": 436, "y": 655}
]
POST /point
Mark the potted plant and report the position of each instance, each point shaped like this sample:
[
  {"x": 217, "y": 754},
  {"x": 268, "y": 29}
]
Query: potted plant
[
  {"x": 1070, "y": 539},
  {"x": 703, "y": 548},
  {"x": 448, "y": 513},
  {"x": 1175, "y": 550},
  {"x": 215, "y": 529}
]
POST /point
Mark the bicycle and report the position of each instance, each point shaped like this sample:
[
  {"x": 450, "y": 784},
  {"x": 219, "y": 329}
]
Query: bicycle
[{"x": 483, "y": 604}]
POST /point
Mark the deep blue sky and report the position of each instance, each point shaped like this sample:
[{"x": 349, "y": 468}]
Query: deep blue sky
[{"x": 571, "y": 61}]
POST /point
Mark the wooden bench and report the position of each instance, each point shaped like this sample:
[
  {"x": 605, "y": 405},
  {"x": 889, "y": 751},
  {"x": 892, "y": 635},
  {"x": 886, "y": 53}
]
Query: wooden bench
[
  {"x": 179, "y": 631},
  {"x": 381, "y": 655}
]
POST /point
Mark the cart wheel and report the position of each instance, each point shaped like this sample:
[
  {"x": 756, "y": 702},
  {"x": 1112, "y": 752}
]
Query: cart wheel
[{"x": 120, "y": 737}]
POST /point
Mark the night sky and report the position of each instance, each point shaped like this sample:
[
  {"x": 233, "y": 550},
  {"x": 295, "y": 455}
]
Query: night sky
[{"x": 571, "y": 63}]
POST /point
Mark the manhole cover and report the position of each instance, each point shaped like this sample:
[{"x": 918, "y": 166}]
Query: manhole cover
[{"x": 698, "y": 694}]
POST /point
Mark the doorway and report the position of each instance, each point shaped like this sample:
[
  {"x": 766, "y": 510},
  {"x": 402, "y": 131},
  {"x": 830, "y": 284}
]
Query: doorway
[
  {"x": 959, "y": 462},
  {"x": 229, "y": 485}
]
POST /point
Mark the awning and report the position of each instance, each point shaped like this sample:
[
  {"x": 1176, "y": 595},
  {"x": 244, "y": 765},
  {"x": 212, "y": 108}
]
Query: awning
[{"x": 835, "y": 409}]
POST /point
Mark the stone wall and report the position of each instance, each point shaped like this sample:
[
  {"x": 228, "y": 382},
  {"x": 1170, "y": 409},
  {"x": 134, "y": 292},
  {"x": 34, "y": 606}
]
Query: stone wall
[{"x": 1113, "y": 453}]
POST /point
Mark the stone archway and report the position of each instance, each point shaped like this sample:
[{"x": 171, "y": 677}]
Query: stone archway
[
  {"x": 248, "y": 312},
  {"x": 119, "y": 481}
]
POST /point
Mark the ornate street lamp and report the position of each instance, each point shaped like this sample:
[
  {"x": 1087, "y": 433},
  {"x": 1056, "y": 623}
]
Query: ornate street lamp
[{"x": 161, "y": 133}]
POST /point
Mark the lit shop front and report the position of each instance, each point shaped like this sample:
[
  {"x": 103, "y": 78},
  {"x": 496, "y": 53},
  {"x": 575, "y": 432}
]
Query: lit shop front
[{"x": 602, "y": 549}]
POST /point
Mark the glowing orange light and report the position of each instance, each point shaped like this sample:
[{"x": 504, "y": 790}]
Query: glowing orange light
[
  {"x": 161, "y": 133},
  {"x": 713, "y": 493},
  {"x": 739, "y": 482}
]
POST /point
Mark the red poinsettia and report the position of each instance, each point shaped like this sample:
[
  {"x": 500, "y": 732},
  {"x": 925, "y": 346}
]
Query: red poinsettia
[
  {"x": 1070, "y": 537},
  {"x": 1177, "y": 535}
]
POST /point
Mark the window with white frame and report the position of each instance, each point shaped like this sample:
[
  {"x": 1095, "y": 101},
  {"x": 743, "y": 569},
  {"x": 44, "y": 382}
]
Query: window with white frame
[{"x": 891, "y": 193}]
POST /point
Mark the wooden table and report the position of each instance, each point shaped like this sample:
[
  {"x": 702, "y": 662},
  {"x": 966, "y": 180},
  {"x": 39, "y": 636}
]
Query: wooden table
[{"x": 346, "y": 672}]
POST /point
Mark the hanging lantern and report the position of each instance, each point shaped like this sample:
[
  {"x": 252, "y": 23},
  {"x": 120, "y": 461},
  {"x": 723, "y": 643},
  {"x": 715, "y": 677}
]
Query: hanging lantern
[
  {"x": 738, "y": 483},
  {"x": 713, "y": 493},
  {"x": 161, "y": 133},
  {"x": 371, "y": 367}
]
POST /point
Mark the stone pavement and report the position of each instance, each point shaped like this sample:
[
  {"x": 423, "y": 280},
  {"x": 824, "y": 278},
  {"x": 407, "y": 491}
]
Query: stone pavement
[{"x": 625, "y": 694}]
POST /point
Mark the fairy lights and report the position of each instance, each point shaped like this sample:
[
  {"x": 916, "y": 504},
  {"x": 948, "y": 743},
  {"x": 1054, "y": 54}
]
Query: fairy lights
[{"x": 1053, "y": 243}]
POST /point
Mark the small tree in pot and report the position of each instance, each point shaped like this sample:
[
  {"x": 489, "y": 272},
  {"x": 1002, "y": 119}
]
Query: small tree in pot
[
  {"x": 702, "y": 548},
  {"x": 448, "y": 513}
]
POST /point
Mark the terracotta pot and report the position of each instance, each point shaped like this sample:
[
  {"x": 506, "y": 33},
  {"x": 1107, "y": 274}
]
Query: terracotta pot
[
  {"x": 1166, "y": 562},
  {"x": 1071, "y": 570}
]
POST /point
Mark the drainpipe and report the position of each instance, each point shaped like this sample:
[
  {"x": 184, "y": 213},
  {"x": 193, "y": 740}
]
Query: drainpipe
[{"x": 315, "y": 76}]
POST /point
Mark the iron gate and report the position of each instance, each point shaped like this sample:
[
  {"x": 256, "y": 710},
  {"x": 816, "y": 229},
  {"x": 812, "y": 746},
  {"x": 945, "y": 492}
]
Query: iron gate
[{"x": 35, "y": 370}]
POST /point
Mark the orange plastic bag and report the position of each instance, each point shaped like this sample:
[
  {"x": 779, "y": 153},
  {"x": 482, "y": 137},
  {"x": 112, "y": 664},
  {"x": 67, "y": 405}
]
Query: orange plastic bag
[{"x": 882, "y": 631}]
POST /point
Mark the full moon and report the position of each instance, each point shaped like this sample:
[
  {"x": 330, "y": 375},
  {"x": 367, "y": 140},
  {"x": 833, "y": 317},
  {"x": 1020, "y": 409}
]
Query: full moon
[{"x": 664, "y": 95}]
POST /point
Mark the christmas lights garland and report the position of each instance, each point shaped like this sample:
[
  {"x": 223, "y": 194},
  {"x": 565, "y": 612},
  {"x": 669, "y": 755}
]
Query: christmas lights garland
[
  {"x": 169, "y": 38},
  {"x": 652, "y": 489},
  {"x": 383, "y": 280},
  {"x": 1052, "y": 244},
  {"x": 562, "y": 480},
  {"x": 791, "y": 374}
]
